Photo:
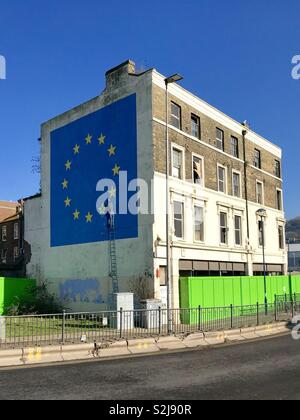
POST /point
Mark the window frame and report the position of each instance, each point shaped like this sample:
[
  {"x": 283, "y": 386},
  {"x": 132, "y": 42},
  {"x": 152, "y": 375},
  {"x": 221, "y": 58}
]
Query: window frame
[
  {"x": 198, "y": 206},
  {"x": 226, "y": 228},
  {"x": 240, "y": 230},
  {"x": 279, "y": 205},
  {"x": 262, "y": 192},
  {"x": 4, "y": 235},
  {"x": 281, "y": 237},
  {"x": 195, "y": 117},
  {"x": 259, "y": 158},
  {"x": 16, "y": 231},
  {"x": 194, "y": 155},
  {"x": 218, "y": 140},
  {"x": 218, "y": 179},
  {"x": 182, "y": 151},
  {"x": 237, "y": 155},
  {"x": 277, "y": 168},
  {"x": 235, "y": 172},
  {"x": 173, "y": 116},
  {"x": 182, "y": 220}
]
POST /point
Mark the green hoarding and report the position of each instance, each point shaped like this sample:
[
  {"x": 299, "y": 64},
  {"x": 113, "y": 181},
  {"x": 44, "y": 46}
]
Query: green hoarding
[
  {"x": 12, "y": 288},
  {"x": 209, "y": 292}
]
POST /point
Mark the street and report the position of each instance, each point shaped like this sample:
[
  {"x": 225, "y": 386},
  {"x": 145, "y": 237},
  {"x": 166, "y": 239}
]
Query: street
[{"x": 267, "y": 369}]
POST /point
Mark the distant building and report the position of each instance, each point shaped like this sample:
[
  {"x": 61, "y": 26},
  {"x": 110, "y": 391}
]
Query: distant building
[
  {"x": 294, "y": 256},
  {"x": 7, "y": 209},
  {"x": 13, "y": 250},
  {"x": 221, "y": 174}
]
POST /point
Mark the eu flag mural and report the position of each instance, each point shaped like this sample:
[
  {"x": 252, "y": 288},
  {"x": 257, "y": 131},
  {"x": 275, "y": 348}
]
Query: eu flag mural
[{"x": 99, "y": 146}]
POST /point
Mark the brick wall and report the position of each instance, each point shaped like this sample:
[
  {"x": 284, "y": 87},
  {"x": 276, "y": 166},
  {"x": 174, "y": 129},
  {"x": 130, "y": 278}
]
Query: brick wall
[{"x": 212, "y": 156}]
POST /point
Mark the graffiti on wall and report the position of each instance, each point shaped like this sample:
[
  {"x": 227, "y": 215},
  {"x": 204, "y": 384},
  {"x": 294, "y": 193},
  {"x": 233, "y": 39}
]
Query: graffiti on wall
[{"x": 82, "y": 291}]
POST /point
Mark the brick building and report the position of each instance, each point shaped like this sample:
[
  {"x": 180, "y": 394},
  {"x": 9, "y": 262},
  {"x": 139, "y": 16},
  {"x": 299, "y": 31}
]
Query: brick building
[
  {"x": 12, "y": 248},
  {"x": 221, "y": 172}
]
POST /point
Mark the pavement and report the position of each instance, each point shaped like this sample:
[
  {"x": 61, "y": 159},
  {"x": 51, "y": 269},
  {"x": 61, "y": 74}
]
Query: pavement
[{"x": 264, "y": 369}]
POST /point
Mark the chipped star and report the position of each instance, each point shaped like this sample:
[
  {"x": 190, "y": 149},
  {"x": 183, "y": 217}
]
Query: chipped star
[
  {"x": 102, "y": 210},
  {"x": 112, "y": 192}
]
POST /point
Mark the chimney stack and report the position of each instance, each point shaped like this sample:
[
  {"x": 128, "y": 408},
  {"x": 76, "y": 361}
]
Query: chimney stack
[{"x": 118, "y": 76}]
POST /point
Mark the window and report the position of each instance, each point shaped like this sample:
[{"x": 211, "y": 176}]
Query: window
[
  {"x": 259, "y": 192},
  {"x": 279, "y": 199},
  {"x": 238, "y": 230},
  {"x": 222, "y": 179},
  {"x": 198, "y": 170},
  {"x": 16, "y": 231},
  {"x": 195, "y": 126},
  {"x": 178, "y": 219},
  {"x": 177, "y": 171},
  {"x": 220, "y": 139},
  {"x": 260, "y": 233},
  {"x": 175, "y": 115},
  {"x": 234, "y": 147},
  {"x": 16, "y": 252},
  {"x": 277, "y": 169},
  {"x": 223, "y": 228},
  {"x": 4, "y": 234},
  {"x": 163, "y": 276},
  {"x": 257, "y": 159},
  {"x": 281, "y": 237},
  {"x": 236, "y": 184},
  {"x": 3, "y": 256},
  {"x": 199, "y": 224}
]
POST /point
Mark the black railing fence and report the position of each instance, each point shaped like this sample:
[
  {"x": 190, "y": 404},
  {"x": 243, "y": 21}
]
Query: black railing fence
[{"x": 109, "y": 326}]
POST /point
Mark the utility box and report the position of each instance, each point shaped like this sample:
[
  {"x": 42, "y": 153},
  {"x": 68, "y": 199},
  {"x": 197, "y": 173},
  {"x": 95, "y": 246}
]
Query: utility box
[
  {"x": 2, "y": 329},
  {"x": 154, "y": 314},
  {"x": 124, "y": 305}
]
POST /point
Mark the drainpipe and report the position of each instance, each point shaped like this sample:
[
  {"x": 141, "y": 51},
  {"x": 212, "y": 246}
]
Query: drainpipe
[{"x": 246, "y": 182}]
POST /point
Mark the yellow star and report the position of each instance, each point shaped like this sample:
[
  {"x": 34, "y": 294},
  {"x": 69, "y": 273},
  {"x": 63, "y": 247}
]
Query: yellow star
[
  {"x": 65, "y": 184},
  {"x": 68, "y": 165},
  {"x": 68, "y": 202},
  {"x": 102, "y": 210},
  {"x": 88, "y": 139},
  {"x": 112, "y": 192},
  {"x": 101, "y": 139},
  {"x": 76, "y": 215},
  {"x": 76, "y": 149},
  {"x": 89, "y": 217},
  {"x": 116, "y": 170},
  {"x": 112, "y": 150}
]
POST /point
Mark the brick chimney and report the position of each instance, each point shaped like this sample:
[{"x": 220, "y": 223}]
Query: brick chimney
[{"x": 118, "y": 76}]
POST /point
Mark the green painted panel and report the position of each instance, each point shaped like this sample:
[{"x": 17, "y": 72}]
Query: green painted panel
[
  {"x": 239, "y": 291},
  {"x": 12, "y": 288}
]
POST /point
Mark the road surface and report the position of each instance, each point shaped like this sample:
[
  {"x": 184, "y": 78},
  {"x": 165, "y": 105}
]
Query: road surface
[{"x": 268, "y": 369}]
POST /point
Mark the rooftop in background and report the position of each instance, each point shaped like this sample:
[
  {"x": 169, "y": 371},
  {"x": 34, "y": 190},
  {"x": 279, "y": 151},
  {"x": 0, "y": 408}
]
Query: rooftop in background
[{"x": 7, "y": 209}]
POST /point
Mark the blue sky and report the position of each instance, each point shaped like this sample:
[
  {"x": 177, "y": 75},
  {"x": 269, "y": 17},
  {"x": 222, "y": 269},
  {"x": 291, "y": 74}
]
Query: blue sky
[{"x": 235, "y": 54}]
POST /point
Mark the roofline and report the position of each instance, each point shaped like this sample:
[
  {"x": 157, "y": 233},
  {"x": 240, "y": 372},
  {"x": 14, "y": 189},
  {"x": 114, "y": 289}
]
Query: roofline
[
  {"x": 32, "y": 197},
  {"x": 176, "y": 87}
]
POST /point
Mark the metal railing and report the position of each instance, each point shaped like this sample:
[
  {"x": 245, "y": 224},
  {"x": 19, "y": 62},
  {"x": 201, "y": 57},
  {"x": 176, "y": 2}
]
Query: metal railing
[{"x": 109, "y": 326}]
